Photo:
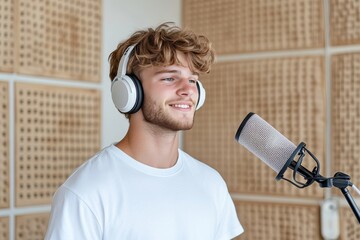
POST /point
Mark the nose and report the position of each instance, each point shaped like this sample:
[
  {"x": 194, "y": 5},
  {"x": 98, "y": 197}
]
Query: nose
[{"x": 187, "y": 88}]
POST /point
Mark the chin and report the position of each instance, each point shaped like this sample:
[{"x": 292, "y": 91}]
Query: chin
[{"x": 177, "y": 126}]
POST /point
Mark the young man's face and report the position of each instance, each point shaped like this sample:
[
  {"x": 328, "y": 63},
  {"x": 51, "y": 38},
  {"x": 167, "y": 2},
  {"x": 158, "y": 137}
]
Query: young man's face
[{"x": 170, "y": 95}]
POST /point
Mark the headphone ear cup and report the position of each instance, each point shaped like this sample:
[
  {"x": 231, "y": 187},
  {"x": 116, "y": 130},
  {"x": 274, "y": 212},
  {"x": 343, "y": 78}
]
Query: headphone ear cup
[
  {"x": 127, "y": 93},
  {"x": 139, "y": 93},
  {"x": 202, "y": 95}
]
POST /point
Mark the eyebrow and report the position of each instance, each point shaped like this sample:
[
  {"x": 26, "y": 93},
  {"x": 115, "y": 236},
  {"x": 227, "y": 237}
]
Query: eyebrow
[{"x": 173, "y": 71}]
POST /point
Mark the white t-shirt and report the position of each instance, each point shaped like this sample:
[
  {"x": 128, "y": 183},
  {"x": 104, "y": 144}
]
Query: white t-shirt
[{"x": 112, "y": 196}]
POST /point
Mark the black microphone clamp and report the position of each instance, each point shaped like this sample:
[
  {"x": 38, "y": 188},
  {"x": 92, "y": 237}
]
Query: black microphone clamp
[{"x": 340, "y": 180}]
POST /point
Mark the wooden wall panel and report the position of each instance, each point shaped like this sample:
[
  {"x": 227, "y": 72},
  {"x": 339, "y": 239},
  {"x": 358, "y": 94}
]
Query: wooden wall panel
[
  {"x": 4, "y": 146},
  {"x": 278, "y": 221},
  {"x": 237, "y": 26},
  {"x": 289, "y": 93},
  {"x": 31, "y": 226},
  {"x": 57, "y": 128},
  {"x": 7, "y": 36},
  {"x": 349, "y": 225},
  {"x": 60, "y": 39},
  {"x": 4, "y": 228},
  {"x": 344, "y": 22},
  {"x": 345, "y": 121}
]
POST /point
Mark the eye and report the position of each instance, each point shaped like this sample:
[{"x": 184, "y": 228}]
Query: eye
[
  {"x": 193, "y": 81},
  {"x": 169, "y": 79}
]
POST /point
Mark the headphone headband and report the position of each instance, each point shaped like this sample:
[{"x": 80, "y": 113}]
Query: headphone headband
[{"x": 124, "y": 61}]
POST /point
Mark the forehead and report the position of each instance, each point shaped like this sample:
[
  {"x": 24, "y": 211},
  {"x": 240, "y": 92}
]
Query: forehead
[
  {"x": 182, "y": 63},
  {"x": 174, "y": 69},
  {"x": 180, "y": 67}
]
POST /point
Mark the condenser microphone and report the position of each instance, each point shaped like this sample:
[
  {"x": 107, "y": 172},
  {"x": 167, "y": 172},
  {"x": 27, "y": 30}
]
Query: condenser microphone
[
  {"x": 279, "y": 153},
  {"x": 273, "y": 148}
]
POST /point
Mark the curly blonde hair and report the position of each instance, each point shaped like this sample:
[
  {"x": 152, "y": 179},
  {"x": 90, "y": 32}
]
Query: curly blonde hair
[{"x": 159, "y": 46}]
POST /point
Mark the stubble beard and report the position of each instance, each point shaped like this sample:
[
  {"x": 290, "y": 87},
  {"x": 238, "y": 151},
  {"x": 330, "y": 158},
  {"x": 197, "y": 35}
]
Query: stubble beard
[{"x": 156, "y": 115}]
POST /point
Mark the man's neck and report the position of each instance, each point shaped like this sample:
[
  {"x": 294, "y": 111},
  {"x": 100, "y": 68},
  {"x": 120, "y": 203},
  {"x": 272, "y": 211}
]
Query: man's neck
[{"x": 151, "y": 145}]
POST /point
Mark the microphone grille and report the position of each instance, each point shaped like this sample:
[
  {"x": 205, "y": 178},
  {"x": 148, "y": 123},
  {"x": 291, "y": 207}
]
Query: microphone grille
[{"x": 264, "y": 141}]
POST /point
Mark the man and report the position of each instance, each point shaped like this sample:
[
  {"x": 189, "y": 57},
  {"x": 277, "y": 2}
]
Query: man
[{"x": 145, "y": 187}]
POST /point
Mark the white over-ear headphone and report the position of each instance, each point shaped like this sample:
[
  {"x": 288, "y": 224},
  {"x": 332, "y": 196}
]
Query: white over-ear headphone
[{"x": 127, "y": 92}]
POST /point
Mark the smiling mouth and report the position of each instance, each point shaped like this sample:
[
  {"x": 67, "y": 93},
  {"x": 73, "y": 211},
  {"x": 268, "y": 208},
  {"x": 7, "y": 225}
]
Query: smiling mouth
[{"x": 181, "y": 106}]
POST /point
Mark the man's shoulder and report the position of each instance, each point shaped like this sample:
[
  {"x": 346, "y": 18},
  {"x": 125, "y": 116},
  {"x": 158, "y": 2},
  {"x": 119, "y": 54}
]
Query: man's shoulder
[
  {"x": 94, "y": 171},
  {"x": 200, "y": 167}
]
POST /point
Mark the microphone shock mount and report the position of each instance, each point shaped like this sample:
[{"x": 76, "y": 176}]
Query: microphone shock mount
[{"x": 339, "y": 180}]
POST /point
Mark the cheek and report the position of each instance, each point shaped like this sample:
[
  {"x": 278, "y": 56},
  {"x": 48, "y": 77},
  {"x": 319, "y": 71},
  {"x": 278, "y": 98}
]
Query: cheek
[
  {"x": 152, "y": 99},
  {"x": 158, "y": 93},
  {"x": 153, "y": 89}
]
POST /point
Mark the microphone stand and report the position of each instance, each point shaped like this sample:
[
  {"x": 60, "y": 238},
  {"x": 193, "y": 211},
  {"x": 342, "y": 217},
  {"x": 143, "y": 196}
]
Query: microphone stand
[{"x": 340, "y": 180}]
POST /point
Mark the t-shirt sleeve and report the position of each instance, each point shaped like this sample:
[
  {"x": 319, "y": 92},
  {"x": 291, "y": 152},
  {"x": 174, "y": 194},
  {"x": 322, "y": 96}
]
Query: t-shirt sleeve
[
  {"x": 71, "y": 218},
  {"x": 229, "y": 224}
]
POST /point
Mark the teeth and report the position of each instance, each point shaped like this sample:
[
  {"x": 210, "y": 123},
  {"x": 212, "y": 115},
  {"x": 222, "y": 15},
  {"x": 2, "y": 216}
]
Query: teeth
[{"x": 181, "y": 106}]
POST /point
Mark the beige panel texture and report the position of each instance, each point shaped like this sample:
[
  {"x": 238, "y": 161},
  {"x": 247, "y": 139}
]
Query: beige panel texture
[
  {"x": 32, "y": 226},
  {"x": 344, "y": 22},
  {"x": 349, "y": 225},
  {"x": 236, "y": 26},
  {"x": 278, "y": 221},
  {"x": 57, "y": 128},
  {"x": 345, "y": 121},
  {"x": 286, "y": 92},
  {"x": 4, "y": 145},
  {"x": 60, "y": 38},
  {"x": 4, "y": 228},
  {"x": 7, "y": 35}
]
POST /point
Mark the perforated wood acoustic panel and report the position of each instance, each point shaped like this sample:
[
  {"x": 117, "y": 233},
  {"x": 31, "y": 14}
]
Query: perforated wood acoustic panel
[
  {"x": 349, "y": 226},
  {"x": 278, "y": 221},
  {"x": 344, "y": 22},
  {"x": 236, "y": 26},
  {"x": 57, "y": 128},
  {"x": 7, "y": 37},
  {"x": 287, "y": 92},
  {"x": 345, "y": 121},
  {"x": 60, "y": 38},
  {"x": 4, "y": 228},
  {"x": 32, "y": 226},
  {"x": 4, "y": 145}
]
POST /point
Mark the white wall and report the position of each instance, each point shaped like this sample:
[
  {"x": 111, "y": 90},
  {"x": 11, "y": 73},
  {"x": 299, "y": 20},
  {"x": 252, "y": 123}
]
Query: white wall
[{"x": 120, "y": 19}]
